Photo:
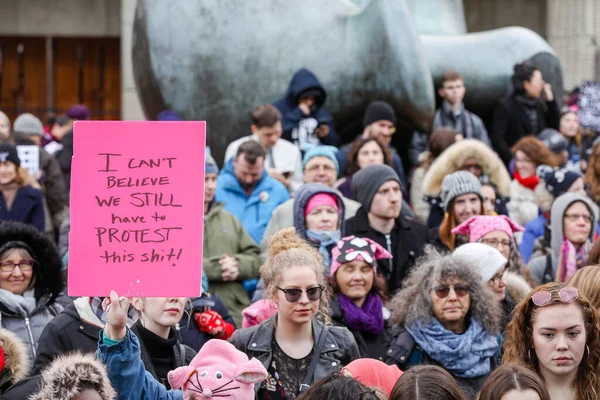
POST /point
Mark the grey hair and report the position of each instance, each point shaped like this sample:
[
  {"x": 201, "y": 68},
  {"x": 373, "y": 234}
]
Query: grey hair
[{"x": 413, "y": 302}]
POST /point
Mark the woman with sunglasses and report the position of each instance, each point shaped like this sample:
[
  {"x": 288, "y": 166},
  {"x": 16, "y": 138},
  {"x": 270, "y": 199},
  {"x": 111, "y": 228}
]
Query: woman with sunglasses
[
  {"x": 358, "y": 302},
  {"x": 452, "y": 321},
  {"x": 295, "y": 346},
  {"x": 30, "y": 282},
  {"x": 572, "y": 222},
  {"x": 555, "y": 333}
]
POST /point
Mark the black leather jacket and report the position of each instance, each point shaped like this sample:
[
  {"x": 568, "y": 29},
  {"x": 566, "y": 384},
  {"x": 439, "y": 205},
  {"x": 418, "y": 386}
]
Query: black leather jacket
[{"x": 339, "y": 349}]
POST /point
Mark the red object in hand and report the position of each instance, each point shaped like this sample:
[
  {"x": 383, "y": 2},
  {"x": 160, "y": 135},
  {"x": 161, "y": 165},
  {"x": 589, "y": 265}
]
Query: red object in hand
[
  {"x": 1, "y": 359},
  {"x": 210, "y": 320}
]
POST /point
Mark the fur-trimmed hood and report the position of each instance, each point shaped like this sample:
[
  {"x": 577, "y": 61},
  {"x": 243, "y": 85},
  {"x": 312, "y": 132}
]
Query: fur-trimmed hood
[
  {"x": 516, "y": 286},
  {"x": 69, "y": 374},
  {"x": 16, "y": 357},
  {"x": 454, "y": 157}
]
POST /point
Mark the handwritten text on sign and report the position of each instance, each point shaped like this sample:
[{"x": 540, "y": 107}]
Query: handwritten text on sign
[{"x": 137, "y": 210}]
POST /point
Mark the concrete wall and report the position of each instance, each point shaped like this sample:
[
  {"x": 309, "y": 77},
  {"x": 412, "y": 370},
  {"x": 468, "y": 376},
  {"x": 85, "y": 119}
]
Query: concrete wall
[
  {"x": 131, "y": 108},
  {"x": 60, "y": 17},
  {"x": 482, "y": 15}
]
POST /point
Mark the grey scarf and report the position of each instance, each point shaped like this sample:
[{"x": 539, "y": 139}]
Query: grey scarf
[{"x": 22, "y": 305}]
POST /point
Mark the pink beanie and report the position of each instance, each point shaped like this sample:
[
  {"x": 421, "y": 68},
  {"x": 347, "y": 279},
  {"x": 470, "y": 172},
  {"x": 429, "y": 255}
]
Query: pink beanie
[
  {"x": 480, "y": 225},
  {"x": 321, "y": 199},
  {"x": 258, "y": 312},
  {"x": 374, "y": 374},
  {"x": 352, "y": 248}
]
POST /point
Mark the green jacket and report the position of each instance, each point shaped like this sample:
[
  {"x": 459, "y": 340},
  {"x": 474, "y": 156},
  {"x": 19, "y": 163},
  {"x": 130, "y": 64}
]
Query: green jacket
[{"x": 224, "y": 234}]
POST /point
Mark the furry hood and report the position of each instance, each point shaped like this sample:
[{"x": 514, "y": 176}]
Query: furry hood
[
  {"x": 16, "y": 356},
  {"x": 68, "y": 374},
  {"x": 453, "y": 158},
  {"x": 516, "y": 286}
]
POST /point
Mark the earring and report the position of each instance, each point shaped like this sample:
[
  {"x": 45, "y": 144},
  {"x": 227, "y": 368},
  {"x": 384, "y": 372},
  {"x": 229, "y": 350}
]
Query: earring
[
  {"x": 588, "y": 350},
  {"x": 529, "y": 356}
]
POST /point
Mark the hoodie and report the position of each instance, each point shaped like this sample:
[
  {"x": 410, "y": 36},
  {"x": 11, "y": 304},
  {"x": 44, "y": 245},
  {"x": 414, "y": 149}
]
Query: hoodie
[
  {"x": 538, "y": 265},
  {"x": 297, "y": 127},
  {"x": 302, "y": 198}
]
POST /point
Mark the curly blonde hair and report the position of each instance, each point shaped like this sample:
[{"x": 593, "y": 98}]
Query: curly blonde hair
[
  {"x": 519, "y": 340},
  {"x": 287, "y": 250},
  {"x": 413, "y": 303}
]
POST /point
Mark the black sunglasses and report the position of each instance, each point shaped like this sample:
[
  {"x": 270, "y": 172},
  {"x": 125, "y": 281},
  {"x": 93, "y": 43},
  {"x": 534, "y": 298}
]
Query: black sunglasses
[
  {"x": 293, "y": 295},
  {"x": 442, "y": 291}
]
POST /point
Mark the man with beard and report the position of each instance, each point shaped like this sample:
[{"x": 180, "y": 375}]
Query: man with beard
[
  {"x": 247, "y": 190},
  {"x": 378, "y": 189}
]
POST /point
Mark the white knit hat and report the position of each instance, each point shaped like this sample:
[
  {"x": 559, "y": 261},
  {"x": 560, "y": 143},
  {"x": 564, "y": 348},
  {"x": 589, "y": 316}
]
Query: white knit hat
[{"x": 488, "y": 259}]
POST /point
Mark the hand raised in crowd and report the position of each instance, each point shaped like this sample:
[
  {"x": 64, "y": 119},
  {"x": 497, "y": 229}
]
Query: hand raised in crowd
[
  {"x": 229, "y": 268},
  {"x": 279, "y": 176},
  {"x": 548, "y": 95},
  {"x": 116, "y": 309},
  {"x": 305, "y": 107},
  {"x": 322, "y": 130}
]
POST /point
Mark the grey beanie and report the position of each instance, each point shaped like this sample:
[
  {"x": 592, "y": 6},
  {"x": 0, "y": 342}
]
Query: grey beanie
[
  {"x": 457, "y": 184},
  {"x": 367, "y": 181},
  {"x": 28, "y": 124},
  {"x": 5, "y": 118}
]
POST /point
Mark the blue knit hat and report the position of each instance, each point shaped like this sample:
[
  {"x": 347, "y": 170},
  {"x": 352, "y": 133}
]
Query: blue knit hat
[
  {"x": 322, "y": 151},
  {"x": 210, "y": 165}
]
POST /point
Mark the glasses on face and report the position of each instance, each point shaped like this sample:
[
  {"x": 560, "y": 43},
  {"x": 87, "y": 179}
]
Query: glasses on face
[
  {"x": 293, "y": 295},
  {"x": 315, "y": 168},
  {"x": 24, "y": 266},
  {"x": 442, "y": 291},
  {"x": 498, "y": 278},
  {"x": 575, "y": 217},
  {"x": 566, "y": 295},
  {"x": 471, "y": 167},
  {"x": 496, "y": 242}
]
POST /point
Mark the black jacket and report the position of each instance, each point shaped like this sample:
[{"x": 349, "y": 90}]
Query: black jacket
[
  {"x": 408, "y": 240},
  {"x": 510, "y": 123},
  {"x": 402, "y": 348},
  {"x": 339, "y": 348},
  {"x": 369, "y": 345}
]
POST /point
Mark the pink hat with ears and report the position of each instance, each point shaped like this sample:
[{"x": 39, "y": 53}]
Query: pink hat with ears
[
  {"x": 480, "y": 225},
  {"x": 353, "y": 248},
  {"x": 218, "y": 369}
]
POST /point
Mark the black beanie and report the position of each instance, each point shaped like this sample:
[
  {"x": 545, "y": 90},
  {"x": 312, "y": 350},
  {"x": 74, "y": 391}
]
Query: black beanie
[
  {"x": 557, "y": 181},
  {"x": 8, "y": 152},
  {"x": 379, "y": 110},
  {"x": 367, "y": 181}
]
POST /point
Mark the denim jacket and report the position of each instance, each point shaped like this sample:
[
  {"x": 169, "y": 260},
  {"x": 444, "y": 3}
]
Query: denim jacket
[{"x": 127, "y": 374}]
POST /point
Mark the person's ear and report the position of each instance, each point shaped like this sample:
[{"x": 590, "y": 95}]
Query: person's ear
[
  {"x": 441, "y": 92},
  {"x": 253, "y": 128},
  {"x": 137, "y": 303}
]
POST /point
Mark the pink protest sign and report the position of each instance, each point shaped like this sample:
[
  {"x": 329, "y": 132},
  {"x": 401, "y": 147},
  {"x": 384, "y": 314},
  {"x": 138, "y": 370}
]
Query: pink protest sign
[{"x": 137, "y": 208}]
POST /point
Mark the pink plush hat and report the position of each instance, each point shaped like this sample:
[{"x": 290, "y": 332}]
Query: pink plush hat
[
  {"x": 480, "y": 225},
  {"x": 353, "y": 248},
  {"x": 374, "y": 374},
  {"x": 258, "y": 312},
  {"x": 218, "y": 370},
  {"x": 321, "y": 199}
]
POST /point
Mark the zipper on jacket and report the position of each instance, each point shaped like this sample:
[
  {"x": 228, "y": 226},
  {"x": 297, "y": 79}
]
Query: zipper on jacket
[
  {"x": 388, "y": 242},
  {"x": 30, "y": 336}
]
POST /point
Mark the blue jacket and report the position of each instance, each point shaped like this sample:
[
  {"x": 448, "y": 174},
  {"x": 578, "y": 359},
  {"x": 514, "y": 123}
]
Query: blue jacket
[
  {"x": 127, "y": 374},
  {"x": 254, "y": 211},
  {"x": 28, "y": 208},
  {"x": 298, "y": 127},
  {"x": 533, "y": 230}
]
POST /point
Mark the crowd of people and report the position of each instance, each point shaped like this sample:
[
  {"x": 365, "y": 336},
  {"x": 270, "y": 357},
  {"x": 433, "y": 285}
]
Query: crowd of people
[{"x": 331, "y": 271}]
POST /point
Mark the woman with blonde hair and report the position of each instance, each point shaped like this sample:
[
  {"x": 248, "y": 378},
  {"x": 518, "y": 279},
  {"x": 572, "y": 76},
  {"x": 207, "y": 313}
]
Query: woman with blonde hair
[
  {"x": 555, "y": 333},
  {"x": 297, "y": 346}
]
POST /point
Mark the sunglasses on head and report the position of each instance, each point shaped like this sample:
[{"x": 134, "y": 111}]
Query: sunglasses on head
[
  {"x": 442, "y": 291},
  {"x": 293, "y": 295},
  {"x": 566, "y": 295}
]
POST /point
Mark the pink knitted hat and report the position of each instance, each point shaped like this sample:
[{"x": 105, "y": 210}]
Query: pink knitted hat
[
  {"x": 321, "y": 199},
  {"x": 352, "y": 248},
  {"x": 480, "y": 225}
]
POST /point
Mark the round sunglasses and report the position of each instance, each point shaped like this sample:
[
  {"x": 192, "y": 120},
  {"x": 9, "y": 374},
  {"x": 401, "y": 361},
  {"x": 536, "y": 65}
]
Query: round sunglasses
[
  {"x": 442, "y": 291},
  {"x": 293, "y": 295},
  {"x": 566, "y": 295}
]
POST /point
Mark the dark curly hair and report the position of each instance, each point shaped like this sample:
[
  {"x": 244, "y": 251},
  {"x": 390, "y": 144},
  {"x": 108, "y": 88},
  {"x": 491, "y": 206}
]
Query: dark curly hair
[
  {"x": 47, "y": 270},
  {"x": 357, "y": 145}
]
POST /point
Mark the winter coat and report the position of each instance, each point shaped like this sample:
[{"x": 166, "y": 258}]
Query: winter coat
[
  {"x": 127, "y": 373},
  {"x": 284, "y": 157},
  {"x": 28, "y": 208},
  {"x": 188, "y": 328},
  {"x": 16, "y": 357},
  {"x": 224, "y": 234},
  {"x": 405, "y": 243},
  {"x": 283, "y": 217},
  {"x": 298, "y": 127},
  {"x": 417, "y": 201},
  {"x": 523, "y": 206},
  {"x": 533, "y": 230},
  {"x": 338, "y": 350},
  {"x": 510, "y": 123},
  {"x": 254, "y": 211},
  {"x": 63, "y": 237},
  {"x": 545, "y": 268},
  {"x": 405, "y": 353},
  {"x": 65, "y": 158},
  {"x": 369, "y": 345},
  {"x": 28, "y": 325}
]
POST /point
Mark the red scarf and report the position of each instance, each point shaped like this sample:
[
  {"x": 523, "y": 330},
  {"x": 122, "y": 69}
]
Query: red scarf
[{"x": 529, "y": 183}]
